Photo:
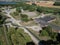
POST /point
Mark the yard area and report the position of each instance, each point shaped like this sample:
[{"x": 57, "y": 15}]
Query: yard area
[{"x": 31, "y": 14}]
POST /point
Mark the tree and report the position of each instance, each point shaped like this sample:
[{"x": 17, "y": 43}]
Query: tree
[
  {"x": 48, "y": 29},
  {"x": 52, "y": 34},
  {"x": 24, "y": 17},
  {"x": 15, "y": 13},
  {"x": 32, "y": 8},
  {"x": 18, "y": 9},
  {"x": 44, "y": 33},
  {"x": 39, "y": 9},
  {"x": 19, "y": 37},
  {"x": 57, "y": 3},
  {"x": 2, "y": 19},
  {"x": 23, "y": 5},
  {"x": 14, "y": 39},
  {"x": 58, "y": 44},
  {"x": 1, "y": 42}
]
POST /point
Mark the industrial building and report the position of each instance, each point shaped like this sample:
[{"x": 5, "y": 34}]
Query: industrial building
[{"x": 44, "y": 21}]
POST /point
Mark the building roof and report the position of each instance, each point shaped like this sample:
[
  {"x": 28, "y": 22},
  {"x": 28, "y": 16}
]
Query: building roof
[
  {"x": 47, "y": 18},
  {"x": 43, "y": 21},
  {"x": 55, "y": 27}
]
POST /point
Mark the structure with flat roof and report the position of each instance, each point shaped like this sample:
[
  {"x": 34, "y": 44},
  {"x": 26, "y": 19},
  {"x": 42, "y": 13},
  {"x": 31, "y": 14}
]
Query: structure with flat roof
[{"x": 43, "y": 21}]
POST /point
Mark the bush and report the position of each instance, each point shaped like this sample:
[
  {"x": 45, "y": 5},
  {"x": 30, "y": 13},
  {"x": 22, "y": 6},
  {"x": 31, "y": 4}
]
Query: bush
[
  {"x": 23, "y": 5},
  {"x": 48, "y": 32},
  {"x": 48, "y": 10},
  {"x": 26, "y": 6},
  {"x": 1, "y": 42},
  {"x": 57, "y": 3},
  {"x": 32, "y": 8},
  {"x": 44, "y": 33},
  {"x": 18, "y": 9},
  {"x": 16, "y": 13},
  {"x": 40, "y": 9},
  {"x": 24, "y": 17}
]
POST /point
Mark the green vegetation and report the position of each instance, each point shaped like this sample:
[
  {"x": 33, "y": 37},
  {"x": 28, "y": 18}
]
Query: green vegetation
[
  {"x": 44, "y": 33},
  {"x": 18, "y": 37},
  {"x": 48, "y": 10},
  {"x": 32, "y": 8},
  {"x": 18, "y": 9},
  {"x": 57, "y": 3},
  {"x": 48, "y": 32},
  {"x": 24, "y": 17},
  {"x": 2, "y": 37},
  {"x": 38, "y": 8},
  {"x": 2, "y": 19},
  {"x": 15, "y": 13},
  {"x": 22, "y": 4},
  {"x": 26, "y": 6}
]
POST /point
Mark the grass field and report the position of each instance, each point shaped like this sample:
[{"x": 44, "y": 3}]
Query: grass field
[
  {"x": 2, "y": 37},
  {"x": 18, "y": 37}
]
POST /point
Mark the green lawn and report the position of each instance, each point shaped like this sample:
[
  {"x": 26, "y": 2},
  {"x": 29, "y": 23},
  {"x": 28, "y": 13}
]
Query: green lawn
[
  {"x": 18, "y": 37},
  {"x": 2, "y": 37}
]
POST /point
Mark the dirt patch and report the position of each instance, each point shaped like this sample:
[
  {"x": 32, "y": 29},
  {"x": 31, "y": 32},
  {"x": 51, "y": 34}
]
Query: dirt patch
[{"x": 45, "y": 4}]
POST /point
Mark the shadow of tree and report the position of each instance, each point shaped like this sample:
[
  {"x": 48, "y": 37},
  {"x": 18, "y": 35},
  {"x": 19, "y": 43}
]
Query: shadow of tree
[
  {"x": 48, "y": 42},
  {"x": 30, "y": 43},
  {"x": 58, "y": 37}
]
